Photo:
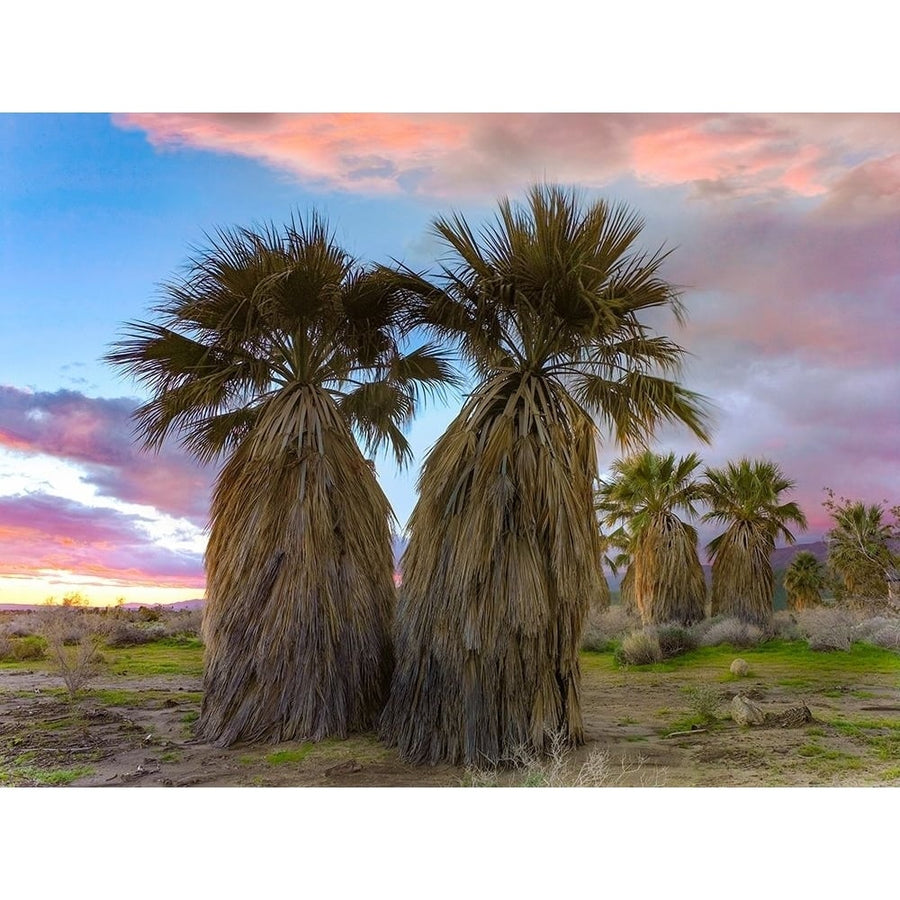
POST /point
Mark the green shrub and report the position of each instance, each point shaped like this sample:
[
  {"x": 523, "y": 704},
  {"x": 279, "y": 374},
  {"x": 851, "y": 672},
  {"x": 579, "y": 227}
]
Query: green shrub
[
  {"x": 703, "y": 701},
  {"x": 31, "y": 647},
  {"x": 127, "y": 634}
]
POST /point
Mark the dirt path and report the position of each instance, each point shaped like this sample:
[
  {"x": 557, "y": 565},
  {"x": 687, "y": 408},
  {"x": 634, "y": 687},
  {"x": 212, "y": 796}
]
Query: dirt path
[{"x": 138, "y": 733}]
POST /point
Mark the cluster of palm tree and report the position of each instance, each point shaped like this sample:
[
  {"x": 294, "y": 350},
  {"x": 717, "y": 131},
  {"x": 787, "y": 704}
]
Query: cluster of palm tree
[
  {"x": 283, "y": 358},
  {"x": 640, "y": 504}
]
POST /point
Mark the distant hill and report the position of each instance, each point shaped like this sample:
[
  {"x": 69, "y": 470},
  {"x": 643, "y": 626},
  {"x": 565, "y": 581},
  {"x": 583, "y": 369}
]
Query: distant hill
[
  {"x": 177, "y": 605},
  {"x": 782, "y": 556}
]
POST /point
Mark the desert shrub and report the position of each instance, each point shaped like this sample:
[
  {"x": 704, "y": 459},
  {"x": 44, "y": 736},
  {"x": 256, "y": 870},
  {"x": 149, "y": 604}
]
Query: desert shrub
[
  {"x": 730, "y": 631},
  {"x": 888, "y": 637},
  {"x": 605, "y": 628},
  {"x": 703, "y": 701},
  {"x": 6, "y": 648},
  {"x": 596, "y": 641},
  {"x": 31, "y": 647},
  {"x": 786, "y": 627},
  {"x": 827, "y": 629},
  {"x": 77, "y": 661},
  {"x": 674, "y": 639},
  {"x": 640, "y": 648},
  {"x": 182, "y": 623},
  {"x": 149, "y": 613},
  {"x": 866, "y": 630},
  {"x": 128, "y": 634},
  {"x": 24, "y": 625}
]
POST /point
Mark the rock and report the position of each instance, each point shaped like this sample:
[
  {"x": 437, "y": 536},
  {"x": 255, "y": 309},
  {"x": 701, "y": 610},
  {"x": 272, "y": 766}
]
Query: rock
[
  {"x": 740, "y": 667},
  {"x": 746, "y": 712}
]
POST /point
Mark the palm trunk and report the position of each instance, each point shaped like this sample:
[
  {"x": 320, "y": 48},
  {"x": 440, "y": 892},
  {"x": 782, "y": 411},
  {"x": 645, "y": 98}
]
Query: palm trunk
[
  {"x": 300, "y": 587},
  {"x": 504, "y": 556},
  {"x": 743, "y": 583},
  {"x": 668, "y": 582}
]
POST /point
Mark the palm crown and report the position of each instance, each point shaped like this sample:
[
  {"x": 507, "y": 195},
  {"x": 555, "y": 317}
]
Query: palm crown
[
  {"x": 554, "y": 289},
  {"x": 262, "y": 312},
  {"x": 746, "y": 494},
  {"x": 648, "y": 485}
]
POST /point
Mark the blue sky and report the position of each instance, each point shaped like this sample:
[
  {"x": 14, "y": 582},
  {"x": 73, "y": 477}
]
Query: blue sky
[{"x": 784, "y": 231}]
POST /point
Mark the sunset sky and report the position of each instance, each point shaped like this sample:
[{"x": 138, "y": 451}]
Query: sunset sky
[{"x": 785, "y": 235}]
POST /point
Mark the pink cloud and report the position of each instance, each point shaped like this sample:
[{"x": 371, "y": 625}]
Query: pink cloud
[
  {"x": 39, "y": 533},
  {"x": 97, "y": 433},
  {"x": 446, "y": 155}
]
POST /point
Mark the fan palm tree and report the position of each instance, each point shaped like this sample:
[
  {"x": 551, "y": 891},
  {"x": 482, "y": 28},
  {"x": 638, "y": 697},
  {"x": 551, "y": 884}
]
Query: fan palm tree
[
  {"x": 804, "y": 580},
  {"x": 646, "y": 492},
  {"x": 269, "y": 353},
  {"x": 745, "y": 497},
  {"x": 859, "y": 551},
  {"x": 504, "y": 550}
]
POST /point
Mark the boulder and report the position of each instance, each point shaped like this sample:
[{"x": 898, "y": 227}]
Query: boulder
[
  {"x": 745, "y": 711},
  {"x": 741, "y": 668}
]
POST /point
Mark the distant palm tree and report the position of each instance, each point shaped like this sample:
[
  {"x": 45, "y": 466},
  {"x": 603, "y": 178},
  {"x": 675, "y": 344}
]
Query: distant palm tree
[
  {"x": 646, "y": 492},
  {"x": 504, "y": 550},
  {"x": 617, "y": 557},
  {"x": 859, "y": 551},
  {"x": 745, "y": 497},
  {"x": 804, "y": 581},
  {"x": 270, "y": 351}
]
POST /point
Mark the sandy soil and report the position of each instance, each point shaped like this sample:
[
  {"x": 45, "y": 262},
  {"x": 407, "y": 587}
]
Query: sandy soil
[{"x": 629, "y": 716}]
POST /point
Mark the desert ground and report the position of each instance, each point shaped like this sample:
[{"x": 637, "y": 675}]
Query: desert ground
[{"x": 667, "y": 724}]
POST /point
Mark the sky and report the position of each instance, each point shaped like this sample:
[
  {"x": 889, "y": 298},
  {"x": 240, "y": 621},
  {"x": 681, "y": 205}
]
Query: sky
[{"x": 784, "y": 231}]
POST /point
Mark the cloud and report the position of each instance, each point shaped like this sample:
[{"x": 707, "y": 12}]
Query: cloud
[
  {"x": 453, "y": 155},
  {"x": 96, "y": 433},
  {"x": 41, "y": 533}
]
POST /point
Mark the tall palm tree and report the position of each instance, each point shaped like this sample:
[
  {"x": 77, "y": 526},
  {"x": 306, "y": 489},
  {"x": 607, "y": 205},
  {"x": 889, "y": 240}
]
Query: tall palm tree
[
  {"x": 745, "y": 497},
  {"x": 804, "y": 580},
  {"x": 646, "y": 492},
  {"x": 859, "y": 551},
  {"x": 504, "y": 550},
  {"x": 269, "y": 353}
]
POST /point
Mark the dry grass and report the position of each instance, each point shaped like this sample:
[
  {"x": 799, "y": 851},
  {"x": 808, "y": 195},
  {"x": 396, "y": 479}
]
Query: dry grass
[{"x": 557, "y": 769}]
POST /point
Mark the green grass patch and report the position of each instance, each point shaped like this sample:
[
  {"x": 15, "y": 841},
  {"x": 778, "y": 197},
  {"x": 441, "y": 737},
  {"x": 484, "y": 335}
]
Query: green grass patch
[
  {"x": 26, "y": 775},
  {"x": 165, "y": 657},
  {"x": 792, "y": 663},
  {"x": 880, "y": 736},
  {"x": 141, "y": 699},
  {"x": 288, "y": 757}
]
